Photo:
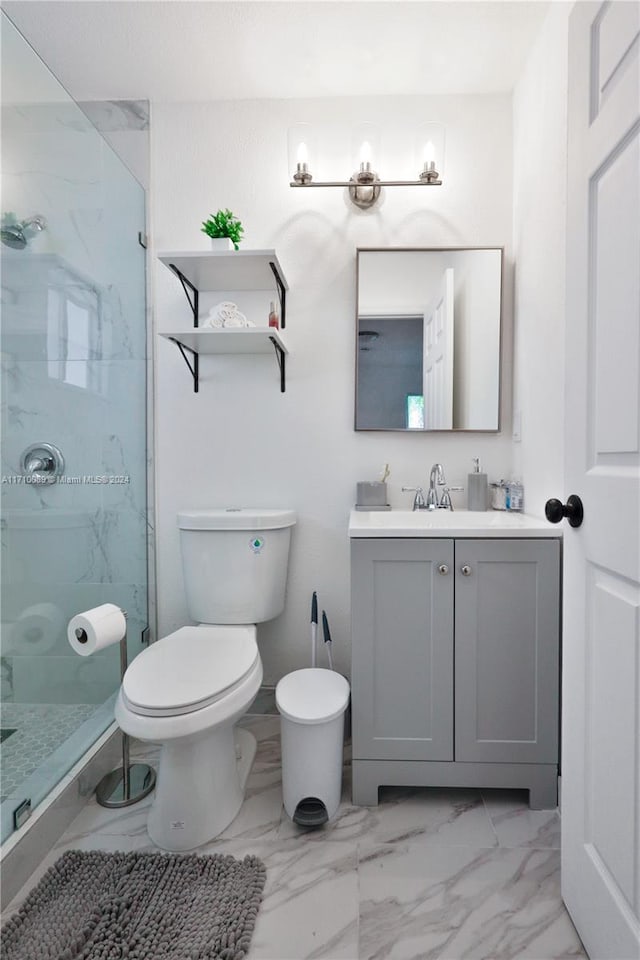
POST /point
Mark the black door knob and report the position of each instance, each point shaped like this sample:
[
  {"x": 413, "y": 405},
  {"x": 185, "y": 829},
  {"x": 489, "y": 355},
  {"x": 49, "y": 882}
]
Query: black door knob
[{"x": 556, "y": 510}]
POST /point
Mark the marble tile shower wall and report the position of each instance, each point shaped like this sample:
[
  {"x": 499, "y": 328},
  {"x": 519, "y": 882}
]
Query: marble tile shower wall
[{"x": 74, "y": 354}]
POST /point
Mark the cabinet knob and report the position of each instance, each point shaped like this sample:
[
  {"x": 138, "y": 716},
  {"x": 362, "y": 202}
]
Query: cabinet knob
[
  {"x": 443, "y": 569},
  {"x": 465, "y": 570}
]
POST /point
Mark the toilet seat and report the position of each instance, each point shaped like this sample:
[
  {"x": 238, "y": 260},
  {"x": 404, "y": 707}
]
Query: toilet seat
[{"x": 190, "y": 669}]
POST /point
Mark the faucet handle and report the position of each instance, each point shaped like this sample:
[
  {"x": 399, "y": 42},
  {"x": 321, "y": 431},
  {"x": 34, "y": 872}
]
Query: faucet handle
[
  {"x": 445, "y": 499},
  {"x": 419, "y": 502}
]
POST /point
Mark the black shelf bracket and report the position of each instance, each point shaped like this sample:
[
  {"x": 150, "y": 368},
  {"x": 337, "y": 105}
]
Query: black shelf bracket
[
  {"x": 194, "y": 368},
  {"x": 190, "y": 292},
  {"x": 282, "y": 295},
  {"x": 281, "y": 358}
]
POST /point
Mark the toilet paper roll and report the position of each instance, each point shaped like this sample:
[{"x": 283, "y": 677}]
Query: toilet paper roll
[
  {"x": 36, "y": 629},
  {"x": 96, "y": 629}
]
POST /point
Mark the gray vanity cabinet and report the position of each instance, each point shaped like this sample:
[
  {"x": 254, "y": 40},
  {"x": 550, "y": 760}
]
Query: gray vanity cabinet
[
  {"x": 507, "y": 658},
  {"x": 455, "y": 664},
  {"x": 402, "y": 649}
]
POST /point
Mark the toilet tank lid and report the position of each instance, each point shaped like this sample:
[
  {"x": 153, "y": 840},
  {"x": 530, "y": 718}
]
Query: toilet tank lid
[{"x": 236, "y": 518}]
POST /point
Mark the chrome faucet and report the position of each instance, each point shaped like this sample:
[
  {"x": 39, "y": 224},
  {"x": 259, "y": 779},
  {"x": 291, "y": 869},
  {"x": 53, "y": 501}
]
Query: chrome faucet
[
  {"x": 435, "y": 477},
  {"x": 419, "y": 501}
]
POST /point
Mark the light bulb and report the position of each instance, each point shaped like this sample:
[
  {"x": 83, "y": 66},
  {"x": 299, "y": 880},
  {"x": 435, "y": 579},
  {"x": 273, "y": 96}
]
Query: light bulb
[
  {"x": 429, "y": 155},
  {"x": 303, "y": 153},
  {"x": 365, "y": 152}
]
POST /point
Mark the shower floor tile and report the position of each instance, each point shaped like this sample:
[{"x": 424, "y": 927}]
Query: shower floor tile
[{"x": 35, "y": 731}]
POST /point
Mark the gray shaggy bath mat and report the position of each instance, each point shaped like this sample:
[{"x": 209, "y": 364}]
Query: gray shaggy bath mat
[{"x": 142, "y": 906}]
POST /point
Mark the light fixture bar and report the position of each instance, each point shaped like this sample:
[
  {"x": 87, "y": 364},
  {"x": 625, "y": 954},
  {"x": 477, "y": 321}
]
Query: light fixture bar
[{"x": 376, "y": 183}]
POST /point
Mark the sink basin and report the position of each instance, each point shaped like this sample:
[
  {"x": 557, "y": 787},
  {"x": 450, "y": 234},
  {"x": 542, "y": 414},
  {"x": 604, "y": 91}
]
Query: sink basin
[{"x": 448, "y": 523}]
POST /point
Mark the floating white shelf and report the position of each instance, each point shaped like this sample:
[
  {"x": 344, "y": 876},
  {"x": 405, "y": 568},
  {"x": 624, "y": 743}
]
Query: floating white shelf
[
  {"x": 242, "y": 340},
  {"x": 227, "y": 269}
]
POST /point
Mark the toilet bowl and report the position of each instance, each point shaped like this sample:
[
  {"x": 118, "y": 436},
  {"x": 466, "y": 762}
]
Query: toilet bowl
[{"x": 187, "y": 691}]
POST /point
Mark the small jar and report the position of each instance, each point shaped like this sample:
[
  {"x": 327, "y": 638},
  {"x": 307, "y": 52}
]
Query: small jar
[{"x": 498, "y": 495}]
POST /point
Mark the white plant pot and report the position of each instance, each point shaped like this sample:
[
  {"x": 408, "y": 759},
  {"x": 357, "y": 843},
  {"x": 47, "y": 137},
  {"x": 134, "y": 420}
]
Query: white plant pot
[{"x": 221, "y": 243}]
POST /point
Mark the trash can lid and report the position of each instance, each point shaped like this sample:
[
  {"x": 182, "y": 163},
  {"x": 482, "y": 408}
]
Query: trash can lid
[{"x": 313, "y": 695}]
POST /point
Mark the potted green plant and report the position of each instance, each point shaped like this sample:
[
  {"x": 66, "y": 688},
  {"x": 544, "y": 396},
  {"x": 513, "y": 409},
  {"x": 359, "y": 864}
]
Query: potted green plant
[{"x": 224, "y": 229}]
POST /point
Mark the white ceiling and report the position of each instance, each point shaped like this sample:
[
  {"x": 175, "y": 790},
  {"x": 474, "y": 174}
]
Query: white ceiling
[{"x": 181, "y": 50}]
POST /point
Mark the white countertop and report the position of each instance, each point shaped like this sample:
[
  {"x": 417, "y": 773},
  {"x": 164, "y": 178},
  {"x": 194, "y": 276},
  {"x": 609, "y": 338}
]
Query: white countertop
[{"x": 448, "y": 523}]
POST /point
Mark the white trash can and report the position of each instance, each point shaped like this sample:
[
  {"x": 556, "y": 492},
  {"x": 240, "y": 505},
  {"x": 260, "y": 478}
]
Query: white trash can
[{"x": 312, "y": 704}]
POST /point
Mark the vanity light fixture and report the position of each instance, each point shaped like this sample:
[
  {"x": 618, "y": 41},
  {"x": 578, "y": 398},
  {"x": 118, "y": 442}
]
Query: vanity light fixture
[{"x": 364, "y": 184}]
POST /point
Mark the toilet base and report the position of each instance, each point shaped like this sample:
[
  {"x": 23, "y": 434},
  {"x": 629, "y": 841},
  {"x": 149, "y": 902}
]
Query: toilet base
[{"x": 200, "y": 787}]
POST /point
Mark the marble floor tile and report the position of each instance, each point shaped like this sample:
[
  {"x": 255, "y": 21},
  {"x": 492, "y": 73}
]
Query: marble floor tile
[
  {"x": 126, "y": 822},
  {"x": 428, "y": 813},
  {"x": 437, "y": 902},
  {"x": 349, "y": 823},
  {"x": 419, "y": 877},
  {"x": 310, "y": 902},
  {"x": 261, "y": 812},
  {"x": 518, "y": 826},
  {"x": 407, "y": 814}
]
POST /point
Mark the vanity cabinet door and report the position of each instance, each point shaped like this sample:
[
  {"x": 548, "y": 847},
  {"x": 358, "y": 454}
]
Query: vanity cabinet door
[
  {"x": 402, "y": 649},
  {"x": 507, "y": 623}
]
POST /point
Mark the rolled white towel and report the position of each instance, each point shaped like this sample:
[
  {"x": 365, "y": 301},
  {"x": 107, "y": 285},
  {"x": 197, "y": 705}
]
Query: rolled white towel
[
  {"x": 219, "y": 313},
  {"x": 226, "y": 314},
  {"x": 213, "y": 320},
  {"x": 234, "y": 320}
]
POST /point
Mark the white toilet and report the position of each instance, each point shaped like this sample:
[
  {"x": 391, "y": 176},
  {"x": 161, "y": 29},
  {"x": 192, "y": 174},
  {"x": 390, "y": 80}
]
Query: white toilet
[{"x": 188, "y": 690}]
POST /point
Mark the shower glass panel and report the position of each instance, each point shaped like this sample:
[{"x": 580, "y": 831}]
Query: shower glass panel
[{"x": 73, "y": 376}]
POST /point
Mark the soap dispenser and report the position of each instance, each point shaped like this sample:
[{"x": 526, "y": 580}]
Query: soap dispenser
[{"x": 478, "y": 487}]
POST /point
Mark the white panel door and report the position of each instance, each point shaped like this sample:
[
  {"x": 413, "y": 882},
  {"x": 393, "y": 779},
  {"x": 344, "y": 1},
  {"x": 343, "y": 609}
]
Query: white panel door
[
  {"x": 438, "y": 357},
  {"x": 601, "y": 663}
]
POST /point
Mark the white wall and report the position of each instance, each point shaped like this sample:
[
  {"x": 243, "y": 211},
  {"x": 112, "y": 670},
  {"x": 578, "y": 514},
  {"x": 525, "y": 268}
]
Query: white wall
[
  {"x": 539, "y": 211},
  {"x": 239, "y": 441}
]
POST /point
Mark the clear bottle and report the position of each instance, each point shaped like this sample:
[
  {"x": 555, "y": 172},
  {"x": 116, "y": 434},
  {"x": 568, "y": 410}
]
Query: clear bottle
[
  {"x": 273, "y": 316},
  {"x": 515, "y": 496}
]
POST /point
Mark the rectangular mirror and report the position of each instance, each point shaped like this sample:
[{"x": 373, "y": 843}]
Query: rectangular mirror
[{"x": 428, "y": 339}]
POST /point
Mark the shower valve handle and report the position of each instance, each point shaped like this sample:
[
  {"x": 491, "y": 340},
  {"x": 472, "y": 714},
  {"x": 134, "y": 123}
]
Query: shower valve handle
[
  {"x": 42, "y": 461},
  {"x": 40, "y": 465}
]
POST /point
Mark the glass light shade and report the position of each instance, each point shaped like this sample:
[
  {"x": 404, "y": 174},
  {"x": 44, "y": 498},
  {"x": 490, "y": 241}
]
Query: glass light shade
[
  {"x": 303, "y": 153},
  {"x": 365, "y": 146},
  {"x": 429, "y": 154}
]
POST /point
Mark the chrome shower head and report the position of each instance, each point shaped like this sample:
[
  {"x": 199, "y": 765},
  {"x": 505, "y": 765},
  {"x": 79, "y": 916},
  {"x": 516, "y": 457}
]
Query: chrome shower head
[
  {"x": 17, "y": 235},
  {"x": 13, "y": 237}
]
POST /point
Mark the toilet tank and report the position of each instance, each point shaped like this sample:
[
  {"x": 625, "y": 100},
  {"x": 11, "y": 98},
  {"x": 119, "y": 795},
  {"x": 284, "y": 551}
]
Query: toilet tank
[{"x": 234, "y": 563}]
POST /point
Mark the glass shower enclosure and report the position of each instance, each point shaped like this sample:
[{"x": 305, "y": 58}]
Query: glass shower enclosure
[{"x": 74, "y": 461}]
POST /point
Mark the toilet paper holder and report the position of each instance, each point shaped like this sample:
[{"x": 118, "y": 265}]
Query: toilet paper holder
[{"x": 132, "y": 781}]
